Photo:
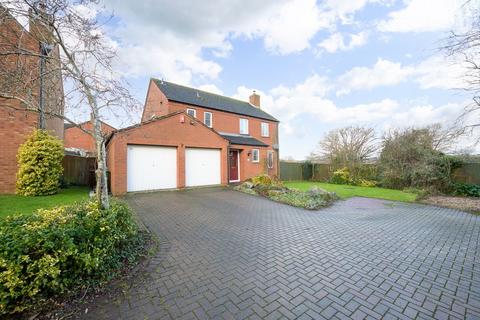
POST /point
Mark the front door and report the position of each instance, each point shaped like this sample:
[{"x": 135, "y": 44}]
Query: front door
[{"x": 234, "y": 165}]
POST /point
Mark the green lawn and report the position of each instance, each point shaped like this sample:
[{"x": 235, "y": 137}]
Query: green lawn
[
  {"x": 346, "y": 191},
  {"x": 10, "y": 204}
]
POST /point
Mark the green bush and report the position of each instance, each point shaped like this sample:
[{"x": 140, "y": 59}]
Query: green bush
[
  {"x": 466, "y": 189},
  {"x": 265, "y": 180},
  {"x": 365, "y": 183},
  {"x": 56, "y": 250},
  {"x": 409, "y": 159},
  {"x": 312, "y": 200},
  {"x": 40, "y": 164},
  {"x": 341, "y": 176}
]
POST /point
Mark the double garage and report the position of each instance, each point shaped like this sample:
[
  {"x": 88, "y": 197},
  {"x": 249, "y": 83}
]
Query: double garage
[
  {"x": 171, "y": 152},
  {"x": 155, "y": 167}
]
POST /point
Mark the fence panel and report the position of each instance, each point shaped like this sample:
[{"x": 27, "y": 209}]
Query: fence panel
[
  {"x": 467, "y": 173},
  {"x": 322, "y": 172},
  {"x": 291, "y": 171},
  {"x": 79, "y": 170}
]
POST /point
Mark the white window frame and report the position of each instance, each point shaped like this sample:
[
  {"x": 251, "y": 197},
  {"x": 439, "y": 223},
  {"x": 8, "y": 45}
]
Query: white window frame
[
  {"x": 257, "y": 151},
  {"x": 266, "y": 126},
  {"x": 243, "y": 120},
  {"x": 194, "y": 112},
  {"x": 270, "y": 154},
  {"x": 205, "y": 119}
]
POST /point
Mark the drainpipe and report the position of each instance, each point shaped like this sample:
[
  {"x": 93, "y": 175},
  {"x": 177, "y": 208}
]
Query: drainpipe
[{"x": 45, "y": 50}]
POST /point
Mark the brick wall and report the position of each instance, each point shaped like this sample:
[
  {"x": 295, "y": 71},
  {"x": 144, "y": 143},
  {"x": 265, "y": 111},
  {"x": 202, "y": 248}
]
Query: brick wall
[
  {"x": 19, "y": 78},
  {"x": 76, "y": 138},
  {"x": 156, "y": 103},
  {"x": 248, "y": 168},
  {"x": 15, "y": 126}
]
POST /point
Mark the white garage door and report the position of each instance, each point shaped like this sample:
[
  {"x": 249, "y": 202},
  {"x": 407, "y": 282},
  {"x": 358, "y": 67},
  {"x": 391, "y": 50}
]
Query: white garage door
[
  {"x": 151, "y": 168},
  {"x": 202, "y": 167}
]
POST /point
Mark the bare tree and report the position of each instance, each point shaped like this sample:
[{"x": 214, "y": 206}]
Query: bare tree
[
  {"x": 465, "y": 45},
  {"x": 74, "y": 46},
  {"x": 348, "y": 147},
  {"x": 444, "y": 138}
]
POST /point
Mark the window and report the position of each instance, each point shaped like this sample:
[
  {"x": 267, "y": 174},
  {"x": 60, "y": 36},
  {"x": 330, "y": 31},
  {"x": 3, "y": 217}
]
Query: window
[
  {"x": 243, "y": 126},
  {"x": 255, "y": 155},
  {"x": 192, "y": 112},
  {"x": 265, "y": 129},
  {"x": 270, "y": 159},
  {"x": 208, "y": 119}
]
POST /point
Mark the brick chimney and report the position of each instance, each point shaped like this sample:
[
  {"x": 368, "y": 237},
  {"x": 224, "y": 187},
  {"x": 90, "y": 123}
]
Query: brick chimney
[{"x": 255, "y": 99}]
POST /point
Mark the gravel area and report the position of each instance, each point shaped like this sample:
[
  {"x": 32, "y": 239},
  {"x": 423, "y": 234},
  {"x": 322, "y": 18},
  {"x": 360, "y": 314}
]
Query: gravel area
[{"x": 461, "y": 203}]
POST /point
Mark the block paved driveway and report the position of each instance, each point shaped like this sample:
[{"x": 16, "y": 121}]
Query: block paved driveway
[{"x": 229, "y": 255}]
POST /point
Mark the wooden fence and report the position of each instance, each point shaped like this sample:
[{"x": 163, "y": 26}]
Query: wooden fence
[
  {"x": 79, "y": 171},
  {"x": 289, "y": 171},
  {"x": 468, "y": 173}
]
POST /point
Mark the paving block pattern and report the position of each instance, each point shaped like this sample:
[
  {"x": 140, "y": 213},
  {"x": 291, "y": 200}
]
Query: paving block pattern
[{"x": 228, "y": 255}]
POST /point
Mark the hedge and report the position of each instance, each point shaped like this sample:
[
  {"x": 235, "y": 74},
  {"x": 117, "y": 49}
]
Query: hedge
[{"x": 56, "y": 250}]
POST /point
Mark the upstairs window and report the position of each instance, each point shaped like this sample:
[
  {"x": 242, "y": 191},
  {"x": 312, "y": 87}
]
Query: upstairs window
[
  {"x": 192, "y": 112},
  {"x": 270, "y": 159},
  {"x": 255, "y": 155},
  {"x": 208, "y": 119},
  {"x": 243, "y": 126},
  {"x": 265, "y": 129}
]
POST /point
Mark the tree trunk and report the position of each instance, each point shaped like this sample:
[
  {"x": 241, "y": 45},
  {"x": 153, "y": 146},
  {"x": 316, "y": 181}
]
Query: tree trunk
[{"x": 101, "y": 172}]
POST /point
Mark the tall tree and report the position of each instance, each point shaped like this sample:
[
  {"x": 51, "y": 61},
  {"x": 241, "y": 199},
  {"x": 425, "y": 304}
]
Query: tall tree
[
  {"x": 465, "y": 46},
  {"x": 73, "y": 45},
  {"x": 347, "y": 147}
]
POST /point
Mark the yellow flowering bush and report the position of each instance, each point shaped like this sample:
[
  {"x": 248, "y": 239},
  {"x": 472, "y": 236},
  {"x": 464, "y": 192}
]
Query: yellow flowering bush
[
  {"x": 40, "y": 164},
  {"x": 56, "y": 250}
]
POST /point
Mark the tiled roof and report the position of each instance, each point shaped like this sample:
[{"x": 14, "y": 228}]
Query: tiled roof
[
  {"x": 209, "y": 100},
  {"x": 243, "y": 140}
]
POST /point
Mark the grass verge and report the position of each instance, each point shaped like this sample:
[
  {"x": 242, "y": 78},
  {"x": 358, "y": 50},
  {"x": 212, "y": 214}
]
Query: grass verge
[
  {"x": 348, "y": 191},
  {"x": 11, "y": 204}
]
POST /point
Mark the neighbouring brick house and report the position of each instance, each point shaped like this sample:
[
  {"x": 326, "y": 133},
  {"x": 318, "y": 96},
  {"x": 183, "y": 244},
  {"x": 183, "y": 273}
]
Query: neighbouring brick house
[
  {"x": 188, "y": 137},
  {"x": 19, "y": 77},
  {"x": 75, "y": 138}
]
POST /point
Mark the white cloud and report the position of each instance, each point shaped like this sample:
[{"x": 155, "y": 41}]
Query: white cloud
[
  {"x": 426, "y": 114},
  {"x": 336, "y": 42},
  {"x": 440, "y": 72},
  {"x": 383, "y": 73},
  {"x": 168, "y": 38},
  {"x": 434, "y": 72},
  {"x": 422, "y": 16},
  {"x": 309, "y": 98},
  {"x": 289, "y": 28}
]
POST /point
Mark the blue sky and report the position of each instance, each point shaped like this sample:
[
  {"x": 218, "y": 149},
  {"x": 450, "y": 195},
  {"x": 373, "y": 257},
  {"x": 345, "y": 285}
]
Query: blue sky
[{"x": 318, "y": 65}]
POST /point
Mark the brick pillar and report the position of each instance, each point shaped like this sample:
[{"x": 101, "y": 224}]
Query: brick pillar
[{"x": 181, "y": 166}]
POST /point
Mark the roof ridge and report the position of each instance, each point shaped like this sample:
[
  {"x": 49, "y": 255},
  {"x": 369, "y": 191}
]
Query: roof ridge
[{"x": 207, "y": 92}]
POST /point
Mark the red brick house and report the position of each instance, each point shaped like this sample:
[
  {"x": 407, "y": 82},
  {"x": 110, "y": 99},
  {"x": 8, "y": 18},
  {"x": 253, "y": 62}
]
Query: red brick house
[
  {"x": 188, "y": 137},
  {"x": 19, "y": 77},
  {"x": 75, "y": 138}
]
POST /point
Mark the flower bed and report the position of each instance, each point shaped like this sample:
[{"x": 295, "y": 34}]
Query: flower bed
[{"x": 312, "y": 199}]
